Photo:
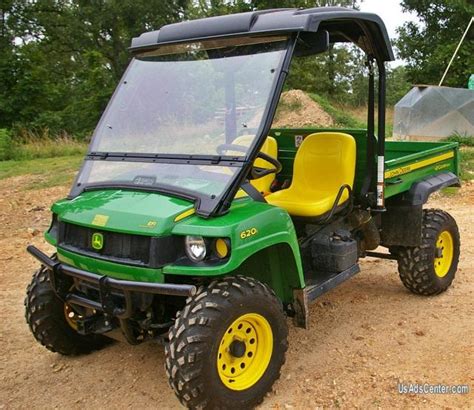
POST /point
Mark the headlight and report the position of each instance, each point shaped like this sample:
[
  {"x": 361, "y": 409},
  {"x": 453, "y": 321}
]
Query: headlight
[{"x": 195, "y": 248}]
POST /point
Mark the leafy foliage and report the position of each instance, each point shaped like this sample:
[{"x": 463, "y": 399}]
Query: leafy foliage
[
  {"x": 463, "y": 139},
  {"x": 62, "y": 59},
  {"x": 5, "y": 145},
  {"x": 428, "y": 47}
]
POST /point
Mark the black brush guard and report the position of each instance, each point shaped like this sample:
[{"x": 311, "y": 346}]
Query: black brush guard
[{"x": 105, "y": 285}]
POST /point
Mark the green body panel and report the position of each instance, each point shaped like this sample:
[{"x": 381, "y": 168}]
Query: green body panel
[
  {"x": 50, "y": 239},
  {"x": 127, "y": 211},
  {"x": 273, "y": 228},
  {"x": 251, "y": 227},
  {"x": 398, "y": 152}
]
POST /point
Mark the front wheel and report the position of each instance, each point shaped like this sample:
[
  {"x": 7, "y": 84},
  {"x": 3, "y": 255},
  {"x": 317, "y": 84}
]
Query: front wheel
[
  {"x": 227, "y": 345},
  {"x": 429, "y": 269},
  {"x": 52, "y": 321}
]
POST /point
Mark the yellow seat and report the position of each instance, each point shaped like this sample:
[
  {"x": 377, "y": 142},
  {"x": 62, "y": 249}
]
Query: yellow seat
[
  {"x": 324, "y": 162},
  {"x": 269, "y": 147}
]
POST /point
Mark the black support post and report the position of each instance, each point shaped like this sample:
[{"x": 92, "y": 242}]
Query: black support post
[
  {"x": 370, "y": 151},
  {"x": 381, "y": 138}
]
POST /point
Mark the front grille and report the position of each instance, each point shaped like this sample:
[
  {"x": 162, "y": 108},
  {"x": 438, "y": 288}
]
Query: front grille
[{"x": 121, "y": 247}]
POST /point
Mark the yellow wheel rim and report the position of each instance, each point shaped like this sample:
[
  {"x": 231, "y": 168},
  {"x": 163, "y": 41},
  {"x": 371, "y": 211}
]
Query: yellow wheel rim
[
  {"x": 70, "y": 316},
  {"x": 444, "y": 248},
  {"x": 245, "y": 351}
]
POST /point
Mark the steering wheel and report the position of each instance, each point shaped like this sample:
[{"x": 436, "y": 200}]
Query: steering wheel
[{"x": 258, "y": 172}]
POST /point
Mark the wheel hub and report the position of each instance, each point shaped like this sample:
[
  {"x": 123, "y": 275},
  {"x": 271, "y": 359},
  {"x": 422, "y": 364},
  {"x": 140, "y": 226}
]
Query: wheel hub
[
  {"x": 237, "y": 348},
  {"x": 443, "y": 254},
  {"x": 245, "y": 351}
]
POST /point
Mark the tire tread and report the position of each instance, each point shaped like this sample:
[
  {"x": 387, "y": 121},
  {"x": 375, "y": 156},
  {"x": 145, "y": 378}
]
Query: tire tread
[
  {"x": 415, "y": 264},
  {"x": 184, "y": 358},
  {"x": 44, "y": 315}
]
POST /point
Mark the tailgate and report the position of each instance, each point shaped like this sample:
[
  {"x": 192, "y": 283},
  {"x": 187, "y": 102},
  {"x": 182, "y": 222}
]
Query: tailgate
[{"x": 407, "y": 162}]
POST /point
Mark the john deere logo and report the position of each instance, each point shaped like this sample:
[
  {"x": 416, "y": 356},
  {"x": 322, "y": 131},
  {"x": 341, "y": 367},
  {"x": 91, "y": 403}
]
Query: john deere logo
[{"x": 97, "y": 241}]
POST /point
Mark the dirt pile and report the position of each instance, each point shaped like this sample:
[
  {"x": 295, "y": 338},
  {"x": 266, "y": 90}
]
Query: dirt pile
[{"x": 297, "y": 109}]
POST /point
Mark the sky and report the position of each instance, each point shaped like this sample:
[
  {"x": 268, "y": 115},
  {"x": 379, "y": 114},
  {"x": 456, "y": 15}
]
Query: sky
[{"x": 391, "y": 13}]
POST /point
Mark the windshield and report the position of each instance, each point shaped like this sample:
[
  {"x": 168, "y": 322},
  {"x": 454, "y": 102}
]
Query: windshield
[
  {"x": 179, "y": 106},
  {"x": 191, "y": 98}
]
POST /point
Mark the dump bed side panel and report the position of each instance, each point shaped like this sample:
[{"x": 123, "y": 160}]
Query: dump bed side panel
[{"x": 410, "y": 162}]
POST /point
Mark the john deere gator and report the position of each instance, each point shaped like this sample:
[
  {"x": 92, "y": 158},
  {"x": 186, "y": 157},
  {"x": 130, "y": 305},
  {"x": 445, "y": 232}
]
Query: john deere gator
[{"x": 194, "y": 223}]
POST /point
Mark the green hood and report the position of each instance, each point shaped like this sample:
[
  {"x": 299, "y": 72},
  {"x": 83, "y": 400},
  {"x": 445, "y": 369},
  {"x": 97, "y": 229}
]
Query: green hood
[{"x": 136, "y": 212}]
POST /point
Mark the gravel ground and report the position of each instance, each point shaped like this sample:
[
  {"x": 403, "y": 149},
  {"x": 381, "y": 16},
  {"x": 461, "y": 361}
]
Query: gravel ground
[{"x": 366, "y": 336}]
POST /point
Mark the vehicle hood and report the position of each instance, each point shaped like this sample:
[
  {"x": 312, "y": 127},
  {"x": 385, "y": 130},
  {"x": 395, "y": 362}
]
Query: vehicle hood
[{"x": 136, "y": 212}]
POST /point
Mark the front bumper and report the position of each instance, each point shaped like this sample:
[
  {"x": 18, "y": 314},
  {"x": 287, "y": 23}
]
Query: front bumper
[{"x": 105, "y": 285}]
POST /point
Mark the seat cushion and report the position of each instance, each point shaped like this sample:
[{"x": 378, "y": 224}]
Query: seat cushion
[{"x": 298, "y": 205}]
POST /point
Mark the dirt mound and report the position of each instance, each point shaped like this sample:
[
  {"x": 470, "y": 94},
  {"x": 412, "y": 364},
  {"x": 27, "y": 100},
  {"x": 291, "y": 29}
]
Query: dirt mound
[{"x": 297, "y": 109}]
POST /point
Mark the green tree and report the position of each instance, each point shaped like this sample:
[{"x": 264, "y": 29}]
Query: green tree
[
  {"x": 397, "y": 84},
  {"x": 62, "y": 59},
  {"x": 8, "y": 64},
  {"x": 208, "y": 8},
  {"x": 427, "y": 47}
]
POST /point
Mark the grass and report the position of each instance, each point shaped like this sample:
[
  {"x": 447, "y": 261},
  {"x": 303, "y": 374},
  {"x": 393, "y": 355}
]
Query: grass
[
  {"x": 45, "y": 172},
  {"x": 289, "y": 105},
  {"x": 48, "y": 161},
  {"x": 341, "y": 117},
  {"x": 450, "y": 191},
  {"x": 26, "y": 144},
  {"x": 48, "y": 148},
  {"x": 467, "y": 163},
  {"x": 464, "y": 140},
  {"x": 360, "y": 114}
]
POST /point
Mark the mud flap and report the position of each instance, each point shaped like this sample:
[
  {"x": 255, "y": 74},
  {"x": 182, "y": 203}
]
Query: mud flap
[{"x": 300, "y": 305}]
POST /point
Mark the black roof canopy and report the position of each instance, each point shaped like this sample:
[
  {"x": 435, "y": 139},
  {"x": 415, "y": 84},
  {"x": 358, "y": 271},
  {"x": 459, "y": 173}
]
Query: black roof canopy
[{"x": 367, "y": 30}]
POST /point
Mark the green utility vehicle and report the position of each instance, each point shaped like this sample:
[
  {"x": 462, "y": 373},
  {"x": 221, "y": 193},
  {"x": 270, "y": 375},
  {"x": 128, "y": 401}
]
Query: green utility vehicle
[{"x": 192, "y": 222}]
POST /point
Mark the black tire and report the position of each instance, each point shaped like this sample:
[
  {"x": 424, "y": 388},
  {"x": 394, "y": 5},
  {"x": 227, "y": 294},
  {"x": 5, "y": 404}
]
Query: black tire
[
  {"x": 416, "y": 265},
  {"x": 45, "y": 315},
  {"x": 195, "y": 338}
]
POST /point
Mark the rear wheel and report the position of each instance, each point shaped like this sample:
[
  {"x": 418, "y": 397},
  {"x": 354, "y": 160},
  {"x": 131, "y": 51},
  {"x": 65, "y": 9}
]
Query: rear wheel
[
  {"x": 430, "y": 268},
  {"x": 227, "y": 345},
  {"x": 53, "y": 323}
]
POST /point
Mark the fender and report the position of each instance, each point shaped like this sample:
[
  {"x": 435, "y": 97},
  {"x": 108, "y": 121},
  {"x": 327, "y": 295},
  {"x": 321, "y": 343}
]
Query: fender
[
  {"x": 420, "y": 191},
  {"x": 402, "y": 223}
]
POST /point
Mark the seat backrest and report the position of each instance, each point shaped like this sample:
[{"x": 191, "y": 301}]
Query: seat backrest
[
  {"x": 324, "y": 162},
  {"x": 270, "y": 147}
]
